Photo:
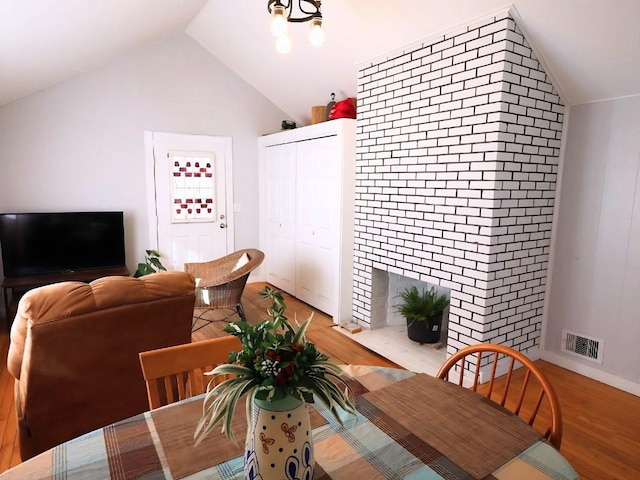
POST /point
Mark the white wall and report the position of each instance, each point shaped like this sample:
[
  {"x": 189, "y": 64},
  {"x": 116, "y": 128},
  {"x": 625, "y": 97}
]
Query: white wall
[
  {"x": 79, "y": 145},
  {"x": 595, "y": 283}
]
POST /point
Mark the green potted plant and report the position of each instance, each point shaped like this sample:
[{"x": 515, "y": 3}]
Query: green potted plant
[
  {"x": 423, "y": 311},
  {"x": 279, "y": 371},
  {"x": 151, "y": 264}
]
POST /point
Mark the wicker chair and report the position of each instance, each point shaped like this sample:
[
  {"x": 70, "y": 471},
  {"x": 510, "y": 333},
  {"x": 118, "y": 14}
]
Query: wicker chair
[{"x": 220, "y": 283}]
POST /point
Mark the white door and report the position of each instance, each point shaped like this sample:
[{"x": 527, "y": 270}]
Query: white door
[
  {"x": 317, "y": 222},
  {"x": 190, "y": 214},
  {"x": 280, "y": 258}
]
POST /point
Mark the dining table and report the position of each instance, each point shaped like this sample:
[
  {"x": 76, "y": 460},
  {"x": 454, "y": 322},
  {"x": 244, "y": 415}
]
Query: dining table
[{"x": 407, "y": 426}]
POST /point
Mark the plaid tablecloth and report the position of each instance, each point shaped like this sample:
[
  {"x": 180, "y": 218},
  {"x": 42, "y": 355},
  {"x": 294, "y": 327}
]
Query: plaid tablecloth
[{"x": 388, "y": 439}]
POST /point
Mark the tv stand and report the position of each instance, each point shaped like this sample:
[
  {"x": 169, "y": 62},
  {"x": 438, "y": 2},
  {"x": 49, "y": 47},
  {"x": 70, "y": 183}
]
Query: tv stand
[{"x": 33, "y": 281}]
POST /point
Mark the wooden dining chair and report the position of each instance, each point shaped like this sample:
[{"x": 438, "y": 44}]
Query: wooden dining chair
[
  {"x": 528, "y": 383},
  {"x": 176, "y": 373}
]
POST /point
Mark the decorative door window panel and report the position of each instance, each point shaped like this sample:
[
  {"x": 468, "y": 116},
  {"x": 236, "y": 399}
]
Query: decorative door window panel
[{"x": 193, "y": 187}]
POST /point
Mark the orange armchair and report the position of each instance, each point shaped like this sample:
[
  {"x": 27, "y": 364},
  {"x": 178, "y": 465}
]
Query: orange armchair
[{"x": 74, "y": 352}]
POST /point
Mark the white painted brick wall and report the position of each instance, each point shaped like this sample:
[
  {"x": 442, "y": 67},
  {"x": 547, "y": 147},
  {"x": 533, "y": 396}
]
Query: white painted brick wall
[{"x": 457, "y": 155}]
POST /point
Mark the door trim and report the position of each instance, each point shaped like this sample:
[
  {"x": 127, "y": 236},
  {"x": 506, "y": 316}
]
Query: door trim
[{"x": 152, "y": 212}]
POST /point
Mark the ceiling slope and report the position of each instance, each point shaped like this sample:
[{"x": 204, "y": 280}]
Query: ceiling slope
[
  {"x": 45, "y": 42},
  {"x": 591, "y": 47}
]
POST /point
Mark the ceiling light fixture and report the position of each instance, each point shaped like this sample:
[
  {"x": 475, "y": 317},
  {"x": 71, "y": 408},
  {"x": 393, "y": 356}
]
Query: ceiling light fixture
[{"x": 295, "y": 11}]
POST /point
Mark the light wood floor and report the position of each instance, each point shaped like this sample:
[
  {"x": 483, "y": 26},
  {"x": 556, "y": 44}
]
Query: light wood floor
[{"x": 601, "y": 424}]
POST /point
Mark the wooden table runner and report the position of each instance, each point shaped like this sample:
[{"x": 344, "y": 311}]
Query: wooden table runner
[{"x": 435, "y": 419}]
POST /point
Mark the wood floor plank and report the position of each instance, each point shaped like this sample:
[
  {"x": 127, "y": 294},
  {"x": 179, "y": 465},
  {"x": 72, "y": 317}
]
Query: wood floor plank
[
  {"x": 601, "y": 434},
  {"x": 601, "y": 438},
  {"x": 9, "y": 442},
  {"x": 601, "y": 425},
  {"x": 8, "y": 427}
]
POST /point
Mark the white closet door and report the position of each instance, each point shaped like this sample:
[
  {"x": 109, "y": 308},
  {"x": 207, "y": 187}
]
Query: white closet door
[
  {"x": 280, "y": 259},
  {"x": 318, "y": 222}
]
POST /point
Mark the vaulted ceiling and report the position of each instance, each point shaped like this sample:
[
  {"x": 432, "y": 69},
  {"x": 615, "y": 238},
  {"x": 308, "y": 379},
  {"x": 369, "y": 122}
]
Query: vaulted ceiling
[{"x": 590, "y": 47}]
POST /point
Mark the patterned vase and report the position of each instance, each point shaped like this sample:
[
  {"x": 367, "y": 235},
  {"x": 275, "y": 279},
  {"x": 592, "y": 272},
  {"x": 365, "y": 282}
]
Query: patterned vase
[{"x": 279, "y": 444}]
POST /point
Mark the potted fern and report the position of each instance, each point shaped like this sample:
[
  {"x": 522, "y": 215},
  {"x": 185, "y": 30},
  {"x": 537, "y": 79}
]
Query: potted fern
[{"x": 423, "y": 311}]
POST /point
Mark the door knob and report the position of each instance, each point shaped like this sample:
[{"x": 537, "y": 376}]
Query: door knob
[{"x": 223, "y": 225}]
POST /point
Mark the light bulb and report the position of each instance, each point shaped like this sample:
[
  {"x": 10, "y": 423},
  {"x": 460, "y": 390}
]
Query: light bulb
[
  {"x": 316, "y": 33},
  {"x": 283, "y": 44},
  {"x": 278, "y": 21}
]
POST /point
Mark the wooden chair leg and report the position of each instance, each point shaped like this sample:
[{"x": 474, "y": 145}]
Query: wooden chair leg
[
  {"x": 197, "y": 319},
  {"x": 239, "y": 309}
]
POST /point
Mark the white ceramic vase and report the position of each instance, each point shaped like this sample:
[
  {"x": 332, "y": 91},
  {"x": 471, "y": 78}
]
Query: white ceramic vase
[{"x": 279, "y": 444}]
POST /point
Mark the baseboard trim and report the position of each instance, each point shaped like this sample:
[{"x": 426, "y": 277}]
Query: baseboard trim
[{"x": 593, "y": 373}]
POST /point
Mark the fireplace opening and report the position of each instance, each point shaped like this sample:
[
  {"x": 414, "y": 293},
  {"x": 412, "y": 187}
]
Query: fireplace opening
[
  {"x": 387, "y": 333},
  {"x": 385, "y": 289}
]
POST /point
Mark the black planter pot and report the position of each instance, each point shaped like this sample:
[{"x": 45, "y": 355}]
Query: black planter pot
[{"x": 425, "y": 332}]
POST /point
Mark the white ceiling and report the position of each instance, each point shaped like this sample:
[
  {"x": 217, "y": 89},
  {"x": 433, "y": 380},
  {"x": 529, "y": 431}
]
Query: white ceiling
[
  {"x": 43, "y": 42},
  {"x": 590, "y": 47}
]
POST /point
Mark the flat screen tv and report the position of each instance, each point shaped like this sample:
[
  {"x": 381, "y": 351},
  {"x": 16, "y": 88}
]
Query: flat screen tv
[{"x": 41, "y": 243}]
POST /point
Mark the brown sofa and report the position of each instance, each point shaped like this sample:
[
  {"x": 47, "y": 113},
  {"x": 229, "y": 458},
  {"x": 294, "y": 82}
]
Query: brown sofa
[{"x": 74, "y": 351}]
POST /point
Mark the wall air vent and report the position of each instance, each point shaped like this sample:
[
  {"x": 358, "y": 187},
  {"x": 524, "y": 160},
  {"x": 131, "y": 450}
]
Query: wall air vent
[{"x": 582, "y": 346}]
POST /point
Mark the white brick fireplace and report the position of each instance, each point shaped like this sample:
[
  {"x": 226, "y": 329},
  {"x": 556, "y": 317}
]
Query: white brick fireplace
[{"x": 458, "y": 142}]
